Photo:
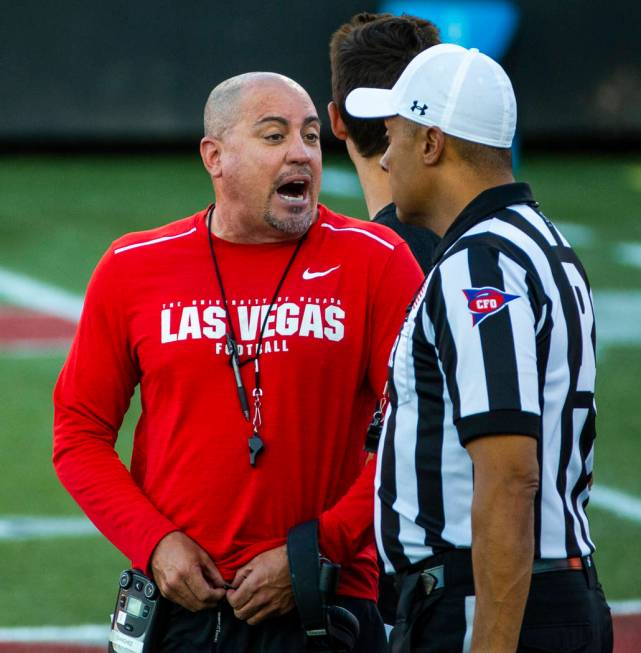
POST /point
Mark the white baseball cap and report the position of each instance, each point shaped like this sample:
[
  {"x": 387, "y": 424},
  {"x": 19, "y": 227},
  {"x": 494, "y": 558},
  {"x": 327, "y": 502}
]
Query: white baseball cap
[{"x": 464, "y": 92}]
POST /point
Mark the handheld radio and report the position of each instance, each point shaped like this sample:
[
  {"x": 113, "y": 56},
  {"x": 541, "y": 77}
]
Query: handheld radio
[{"x": 137, "y": 604}]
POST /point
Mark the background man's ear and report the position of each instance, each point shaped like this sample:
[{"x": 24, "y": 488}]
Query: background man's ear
[
  {"x": 338, "y": 126},
  {"x": 210, "y": 153}
]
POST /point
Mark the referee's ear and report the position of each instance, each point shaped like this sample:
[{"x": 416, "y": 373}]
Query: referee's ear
[
  {"x": 210, "y": 153},
  {"x": 432, "y": 141}
]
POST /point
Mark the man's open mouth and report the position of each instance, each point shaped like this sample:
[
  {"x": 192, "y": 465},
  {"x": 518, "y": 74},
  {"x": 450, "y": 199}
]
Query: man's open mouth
[{"x": 294, "y": 190}]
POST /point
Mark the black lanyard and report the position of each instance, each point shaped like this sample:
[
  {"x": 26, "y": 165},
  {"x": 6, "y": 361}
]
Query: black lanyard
[{"x": 256, "y": 444}]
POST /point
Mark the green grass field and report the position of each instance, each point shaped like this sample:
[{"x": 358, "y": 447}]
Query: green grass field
[{"x": 57, "y": 216}]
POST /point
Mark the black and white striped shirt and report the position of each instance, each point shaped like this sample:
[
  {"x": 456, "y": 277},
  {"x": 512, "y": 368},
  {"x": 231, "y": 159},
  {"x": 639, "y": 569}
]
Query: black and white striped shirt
[{"x": 499, "y": 340}]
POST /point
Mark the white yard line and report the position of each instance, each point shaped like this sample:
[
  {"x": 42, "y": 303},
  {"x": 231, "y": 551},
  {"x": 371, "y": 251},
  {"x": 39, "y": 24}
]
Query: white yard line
[
  {"x": 631, "y": 606},
  {"x": 617, "y": 502},
  {"x": 85, "y": 634},
  {"x": 22, "y": 290},
  {"x": 610, "y": 305},
  {"x": 19, "y": 527}
]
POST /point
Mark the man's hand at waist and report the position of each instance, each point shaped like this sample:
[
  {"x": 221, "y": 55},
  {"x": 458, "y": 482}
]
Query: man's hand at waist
[
  {"x": 263, "y": 587},
  {"x": 185, "y": 574}
]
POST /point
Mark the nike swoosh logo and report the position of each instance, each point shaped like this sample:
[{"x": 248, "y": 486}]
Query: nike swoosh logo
[{"x": 313, "y": 275}]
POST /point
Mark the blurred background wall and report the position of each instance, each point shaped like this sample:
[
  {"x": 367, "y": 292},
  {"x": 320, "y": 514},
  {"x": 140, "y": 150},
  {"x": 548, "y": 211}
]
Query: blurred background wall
[{"x": 87, "y": 72}]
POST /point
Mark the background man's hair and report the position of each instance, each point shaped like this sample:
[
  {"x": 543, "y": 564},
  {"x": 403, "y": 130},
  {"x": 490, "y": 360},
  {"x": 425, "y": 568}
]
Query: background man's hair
[{"x": 373, "y": 50}]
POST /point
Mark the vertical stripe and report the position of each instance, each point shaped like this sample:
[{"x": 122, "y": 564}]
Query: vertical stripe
[
  {"x": 542, "y": 359},
  {"x": 457, "y": 476},
  {"x": 385, "y": 484},
  {"x": 470, "y": 605},
  {"x": 429, "y": 388},
  {"x": 385, "y": 519},
  {"x": 523, "y": 330}
]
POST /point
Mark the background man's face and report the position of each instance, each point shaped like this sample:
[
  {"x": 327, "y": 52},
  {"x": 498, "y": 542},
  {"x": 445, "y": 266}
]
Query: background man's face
[{"x": 271, "y": 158}]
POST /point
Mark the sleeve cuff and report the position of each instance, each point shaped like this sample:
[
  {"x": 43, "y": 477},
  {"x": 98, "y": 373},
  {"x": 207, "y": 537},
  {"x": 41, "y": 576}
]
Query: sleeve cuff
[{"x": 498, "y": 422}]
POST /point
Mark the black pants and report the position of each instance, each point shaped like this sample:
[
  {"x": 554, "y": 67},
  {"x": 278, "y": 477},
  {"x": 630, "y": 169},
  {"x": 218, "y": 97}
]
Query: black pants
[
  {"x": 566, "y": 611},
  {"x": 218, "y": 631}
]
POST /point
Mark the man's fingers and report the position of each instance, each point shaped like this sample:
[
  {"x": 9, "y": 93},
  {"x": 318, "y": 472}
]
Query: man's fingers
[
  {"x": 203, "y": 591},
  {"x": 245, "y": 590},
  {"x": 191, "y": 590},
  {"x": 251, "y": 608},
  {"x": 178, "y": 592},
  {"x": 262, "y": 606},
  {"x": 240, "y": 577},
  {"x": 185, "y": 573}
]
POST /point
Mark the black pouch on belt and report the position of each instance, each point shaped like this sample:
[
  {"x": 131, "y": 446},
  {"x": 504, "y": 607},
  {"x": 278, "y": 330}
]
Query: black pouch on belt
[
  {"x": 418, "y": 592},
  {"x": 327, "y": 627}
]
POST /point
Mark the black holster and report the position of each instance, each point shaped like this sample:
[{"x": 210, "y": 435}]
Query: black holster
[{"x": 327, "y": 627}]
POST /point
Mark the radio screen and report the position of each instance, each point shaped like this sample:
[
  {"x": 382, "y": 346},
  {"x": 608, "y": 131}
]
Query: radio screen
[{"x": 134, "y": 606}]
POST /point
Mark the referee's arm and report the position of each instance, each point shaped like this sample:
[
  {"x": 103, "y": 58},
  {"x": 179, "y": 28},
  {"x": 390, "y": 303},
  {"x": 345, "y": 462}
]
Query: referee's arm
[{"x": 506, "y": 480}]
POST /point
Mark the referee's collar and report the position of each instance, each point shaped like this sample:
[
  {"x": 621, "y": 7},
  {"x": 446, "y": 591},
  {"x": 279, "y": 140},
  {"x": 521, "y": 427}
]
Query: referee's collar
[{"x": 488, "y": 202}]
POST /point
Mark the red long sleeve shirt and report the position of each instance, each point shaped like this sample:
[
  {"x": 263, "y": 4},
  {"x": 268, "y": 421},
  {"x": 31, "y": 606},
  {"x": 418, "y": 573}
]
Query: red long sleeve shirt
[{"x": 154, "y": 316}]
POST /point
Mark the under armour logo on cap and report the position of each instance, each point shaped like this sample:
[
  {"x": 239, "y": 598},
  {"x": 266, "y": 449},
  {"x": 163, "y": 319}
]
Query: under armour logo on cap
[{"x": 422, "y": 109}]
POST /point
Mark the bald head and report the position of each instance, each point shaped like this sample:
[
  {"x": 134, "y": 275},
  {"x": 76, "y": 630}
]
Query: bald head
[{"x": 223, "y": 106}]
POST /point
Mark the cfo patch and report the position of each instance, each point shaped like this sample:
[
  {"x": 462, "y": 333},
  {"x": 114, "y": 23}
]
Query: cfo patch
[{"x": 484, "y": 302}]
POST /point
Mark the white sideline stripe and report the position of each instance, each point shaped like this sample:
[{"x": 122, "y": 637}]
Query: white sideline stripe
[
  {"x": 22, "y": 290},
  {"x": 628, "y": 254},
  {"x": 85, "y": 634},
  {"x": 359, "y": 231},
  {"x": 17, "y": 527},
  {"x": 617, "y": 502},
  {"x": 98, "y": 634},
  {"x": 154, "y": 241},
  {"x": 622, "y": 608}
]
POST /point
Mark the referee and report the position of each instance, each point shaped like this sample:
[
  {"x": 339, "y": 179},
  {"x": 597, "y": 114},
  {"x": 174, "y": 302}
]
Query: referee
[{"x": 485, "y": 463}]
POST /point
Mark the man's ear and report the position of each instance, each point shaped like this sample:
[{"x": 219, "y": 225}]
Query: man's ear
[
  {"x": 338, "y": 126},
  {"x": 210, "y": 153},
  {"x": 432, "y": 144}
]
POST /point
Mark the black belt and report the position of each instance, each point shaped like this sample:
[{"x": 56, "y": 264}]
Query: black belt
[
  {"x": 545, "y": 565},
  {"x": 456, "y": 567}
]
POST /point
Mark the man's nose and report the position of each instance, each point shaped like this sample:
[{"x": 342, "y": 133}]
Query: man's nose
[
  {"x": 383, "y": 162},
  {"x": 298, "y": 150}
]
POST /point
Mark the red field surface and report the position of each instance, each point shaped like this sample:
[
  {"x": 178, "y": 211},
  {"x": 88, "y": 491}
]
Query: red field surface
[{"x": 21, "y": 328}]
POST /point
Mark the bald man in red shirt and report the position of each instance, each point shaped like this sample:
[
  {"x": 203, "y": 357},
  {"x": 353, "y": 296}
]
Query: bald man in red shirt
[{"x": 259, "y": 331}]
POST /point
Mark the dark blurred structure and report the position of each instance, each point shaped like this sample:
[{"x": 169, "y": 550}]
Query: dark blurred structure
[{"x": 91, "y": 73}]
